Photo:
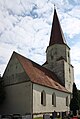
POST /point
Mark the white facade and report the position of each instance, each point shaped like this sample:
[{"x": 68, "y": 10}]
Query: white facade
[
  {"x": 25, "y": 98},
  {"x": 60, "y": 100}
]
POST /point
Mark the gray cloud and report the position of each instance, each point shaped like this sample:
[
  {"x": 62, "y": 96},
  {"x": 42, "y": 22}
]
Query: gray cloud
[{"x": 25, "y": 27}]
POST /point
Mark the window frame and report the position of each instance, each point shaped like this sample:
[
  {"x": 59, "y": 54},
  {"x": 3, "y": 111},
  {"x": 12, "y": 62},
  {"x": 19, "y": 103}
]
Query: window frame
[
  {"x": 54, "y": 99},
  {"x": 67, "y": 101},
  {"x": 43, "y": 98}
]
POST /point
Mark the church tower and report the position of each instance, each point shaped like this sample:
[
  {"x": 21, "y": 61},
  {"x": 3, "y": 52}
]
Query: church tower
[{"x": 58, "y": 55}]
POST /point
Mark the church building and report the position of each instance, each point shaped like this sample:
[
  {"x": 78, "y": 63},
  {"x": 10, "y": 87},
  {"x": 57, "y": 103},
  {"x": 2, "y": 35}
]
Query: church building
[{"x": 35, "y": 89}]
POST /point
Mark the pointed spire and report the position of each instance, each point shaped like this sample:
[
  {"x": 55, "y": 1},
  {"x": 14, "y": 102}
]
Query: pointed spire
[{"x": 57, "y": 36}]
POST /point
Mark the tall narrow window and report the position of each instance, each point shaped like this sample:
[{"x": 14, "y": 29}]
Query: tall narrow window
[
  {"x": 43, "y": 98},
  {"x": 69, "y": 73},
  {"x": 68, "y": 54},
  {"x": 67, "y": 101},
  {"x": 54, "y": 99}
]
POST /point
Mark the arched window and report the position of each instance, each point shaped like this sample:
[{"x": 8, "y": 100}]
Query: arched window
[
  {"x": 68, "y": 54},
  {"x": 67, "y": 101},
  {"x": 43, "y": 98},
  {"x": 54, "y": 99}
]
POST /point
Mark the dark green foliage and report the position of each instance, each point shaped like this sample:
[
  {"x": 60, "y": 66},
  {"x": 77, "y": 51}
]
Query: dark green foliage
[
  {"x": 79, "y": 98},
  {"x": 75, "y": 93},
  {"x": 2, "y": 91},
  {"x": 74, "y": 104}
]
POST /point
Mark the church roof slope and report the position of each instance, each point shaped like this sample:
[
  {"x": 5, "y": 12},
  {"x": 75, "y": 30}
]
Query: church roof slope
[
  {"x": 39, "y": 74},
  {"x": 57, "y": 36}
]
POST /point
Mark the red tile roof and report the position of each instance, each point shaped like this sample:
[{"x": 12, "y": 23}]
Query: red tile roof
[
  {"x": 39, "y": 74},
  {"x": 57, "y": 36}
]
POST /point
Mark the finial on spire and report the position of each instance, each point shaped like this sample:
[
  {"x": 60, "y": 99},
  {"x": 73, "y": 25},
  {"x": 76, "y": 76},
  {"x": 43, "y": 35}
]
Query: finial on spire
[{"x": 54, "y": 6}]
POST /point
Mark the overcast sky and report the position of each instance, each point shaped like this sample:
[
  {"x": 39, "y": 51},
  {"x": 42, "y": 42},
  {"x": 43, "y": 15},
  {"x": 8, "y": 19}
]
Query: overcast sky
[{"x": 25, "y": 27}]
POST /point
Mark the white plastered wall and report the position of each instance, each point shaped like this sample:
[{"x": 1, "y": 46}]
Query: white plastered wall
[{"x": 60, "y": 100}]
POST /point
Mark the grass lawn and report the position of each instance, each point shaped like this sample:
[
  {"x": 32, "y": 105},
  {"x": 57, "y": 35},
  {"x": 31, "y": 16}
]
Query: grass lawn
[{"x": 38, "y": 118}]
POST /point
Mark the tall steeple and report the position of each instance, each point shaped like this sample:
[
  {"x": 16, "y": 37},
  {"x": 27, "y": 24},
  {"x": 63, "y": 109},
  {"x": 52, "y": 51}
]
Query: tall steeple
[
  {"x": 57, "y": 36},
  {"x": 58, "y": 55}
]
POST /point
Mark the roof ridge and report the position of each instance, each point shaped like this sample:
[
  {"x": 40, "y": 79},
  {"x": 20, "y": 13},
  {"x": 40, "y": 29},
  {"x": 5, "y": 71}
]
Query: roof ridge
[
  {"x": 39, "y": 74},
  {"x": 50, "y": 74},
  {"x": 26, "y": 58}
]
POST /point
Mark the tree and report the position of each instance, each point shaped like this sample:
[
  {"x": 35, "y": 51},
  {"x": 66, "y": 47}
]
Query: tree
[
  {"x": 2, "y": 91},
  {"x": 74, "y": 104},
  {"x": 79, "y": 98}
]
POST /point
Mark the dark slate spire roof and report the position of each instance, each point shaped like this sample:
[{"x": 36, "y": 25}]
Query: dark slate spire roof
[{"x": 57, "y": 36}]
